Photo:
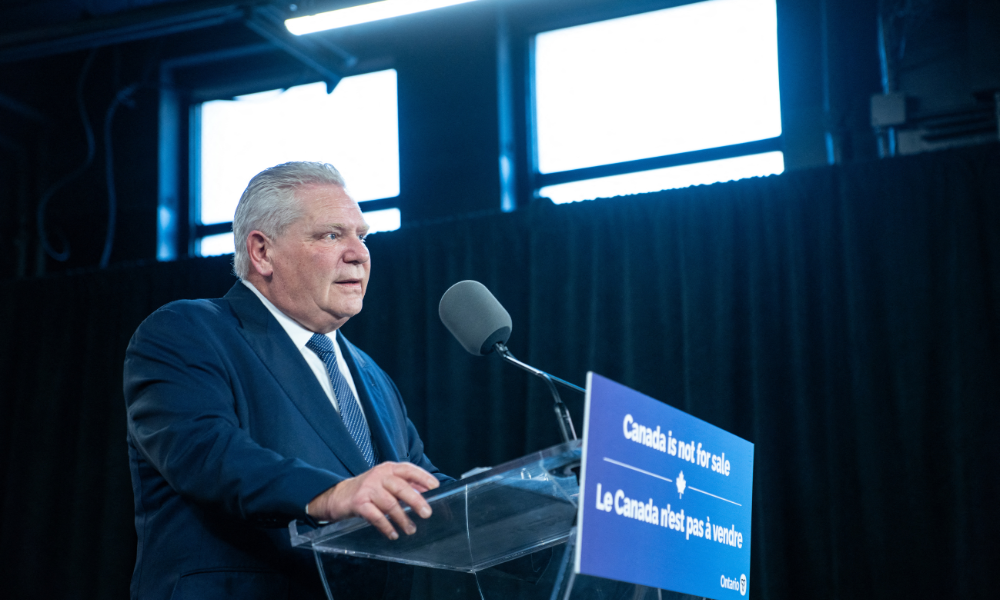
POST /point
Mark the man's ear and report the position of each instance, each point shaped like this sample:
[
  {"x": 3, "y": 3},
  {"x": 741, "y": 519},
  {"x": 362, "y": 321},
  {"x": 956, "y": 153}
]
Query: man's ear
[{"x": 260, "y": 249}]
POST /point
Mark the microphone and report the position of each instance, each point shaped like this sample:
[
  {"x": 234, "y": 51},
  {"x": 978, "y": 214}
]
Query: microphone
[
  {"x": 475, "y": 317},
  {"x": 481, "y": 325}
]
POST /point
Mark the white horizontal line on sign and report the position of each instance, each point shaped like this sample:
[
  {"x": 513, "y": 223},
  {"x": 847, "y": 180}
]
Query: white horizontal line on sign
[
  {"x": 694, "y": 489},
  {"x": 621, "y": 464},
  {"x": 644, "y": 472}
]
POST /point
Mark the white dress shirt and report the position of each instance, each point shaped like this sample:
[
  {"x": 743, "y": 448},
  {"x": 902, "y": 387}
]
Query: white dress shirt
[{"x": 300, "y": 336}]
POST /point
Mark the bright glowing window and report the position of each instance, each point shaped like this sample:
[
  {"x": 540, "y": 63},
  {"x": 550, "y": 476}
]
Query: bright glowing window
[
  {"x": 355, "y": 129},
  {"x": 688, "y": 78},
  {"x": 382, "y": 220},
  {"x": 213, "y": 245}
]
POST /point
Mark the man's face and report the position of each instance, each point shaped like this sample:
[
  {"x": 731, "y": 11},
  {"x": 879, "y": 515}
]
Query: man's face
[{"x": 320, "y": 263}]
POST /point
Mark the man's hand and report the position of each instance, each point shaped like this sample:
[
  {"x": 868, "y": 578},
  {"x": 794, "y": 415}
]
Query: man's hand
[{"x": 377, "y": 493}]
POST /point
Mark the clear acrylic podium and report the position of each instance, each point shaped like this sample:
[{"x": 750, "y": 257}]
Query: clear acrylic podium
[{"x": 487, "y": 520}]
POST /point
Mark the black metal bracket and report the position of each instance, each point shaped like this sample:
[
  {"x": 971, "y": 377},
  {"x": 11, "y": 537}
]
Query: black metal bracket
[{"x": 327, "y": 59}]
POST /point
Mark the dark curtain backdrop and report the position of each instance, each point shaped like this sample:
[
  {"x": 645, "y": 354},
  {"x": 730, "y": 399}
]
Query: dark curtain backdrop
[{"x": 844, "y": 320}]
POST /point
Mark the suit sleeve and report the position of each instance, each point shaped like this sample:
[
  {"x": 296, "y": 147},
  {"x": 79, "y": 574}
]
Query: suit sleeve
[{"x": 182, "y": 419}]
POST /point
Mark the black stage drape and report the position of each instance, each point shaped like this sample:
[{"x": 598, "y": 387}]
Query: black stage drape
[{"x": 844, "y": 320}]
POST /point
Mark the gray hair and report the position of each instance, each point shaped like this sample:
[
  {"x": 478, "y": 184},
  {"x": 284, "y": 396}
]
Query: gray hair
[{"x": 269, "y": 204}]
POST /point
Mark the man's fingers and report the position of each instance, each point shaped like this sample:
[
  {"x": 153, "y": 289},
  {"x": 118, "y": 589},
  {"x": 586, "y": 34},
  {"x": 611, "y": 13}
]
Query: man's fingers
[
  {"x": 384, "y": 504},
  {"x": 398, "y": 515},
  {"x": 417, "y": 481},
  {"x": 386, "y": 500},
  {"x": 373, "y": 515},
  {"x": 377, "y": 495},
  {"x": 415, "y": 475},
  {"x": 403, "y": 491}
]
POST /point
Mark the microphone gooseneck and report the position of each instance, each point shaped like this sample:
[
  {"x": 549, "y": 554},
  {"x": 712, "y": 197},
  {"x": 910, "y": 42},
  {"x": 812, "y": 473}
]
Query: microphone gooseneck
[
  {"x": 562, "y": 413},
  {"x": 481, "y": 325}
]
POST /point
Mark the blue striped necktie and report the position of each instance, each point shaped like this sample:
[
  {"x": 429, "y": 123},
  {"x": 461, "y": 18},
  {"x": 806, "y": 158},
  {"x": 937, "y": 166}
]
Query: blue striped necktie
[{"x": 350, "y": 410}]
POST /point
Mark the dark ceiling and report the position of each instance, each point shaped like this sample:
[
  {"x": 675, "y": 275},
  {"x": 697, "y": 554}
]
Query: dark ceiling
[
  {"x": 37, "y": 29},
  {"x": 19, "y": 15}
]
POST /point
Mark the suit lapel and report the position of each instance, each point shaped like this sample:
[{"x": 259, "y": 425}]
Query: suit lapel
[
  {"x": 377, "y": 410},
  {"x": 280, "y": 356}
]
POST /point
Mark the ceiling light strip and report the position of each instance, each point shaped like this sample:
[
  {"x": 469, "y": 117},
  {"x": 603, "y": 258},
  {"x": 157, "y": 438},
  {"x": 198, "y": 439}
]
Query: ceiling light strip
[{"x": 364, "y": 13}]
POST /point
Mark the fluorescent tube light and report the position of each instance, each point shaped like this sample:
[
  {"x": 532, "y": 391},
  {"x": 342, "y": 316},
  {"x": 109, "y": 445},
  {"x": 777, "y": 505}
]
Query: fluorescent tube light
[{"x": 364, "y": 13}]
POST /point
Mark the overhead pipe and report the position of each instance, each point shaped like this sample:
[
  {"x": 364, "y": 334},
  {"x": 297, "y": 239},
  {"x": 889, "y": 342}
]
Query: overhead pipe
[{"x": 117, "y": 29}]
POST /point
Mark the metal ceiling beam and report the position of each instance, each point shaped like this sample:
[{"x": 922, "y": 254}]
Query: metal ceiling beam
[
  {"x": 119, "y": 28},
  {"x": 328, "y": 60}
]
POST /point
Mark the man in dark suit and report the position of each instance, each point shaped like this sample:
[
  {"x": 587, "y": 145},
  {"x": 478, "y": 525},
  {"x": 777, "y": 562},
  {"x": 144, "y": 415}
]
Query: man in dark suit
[{"x": 248, "y": 411}]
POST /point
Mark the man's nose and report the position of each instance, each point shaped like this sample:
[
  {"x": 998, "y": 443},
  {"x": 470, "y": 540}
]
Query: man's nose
[{"x": 357, "y": 252}]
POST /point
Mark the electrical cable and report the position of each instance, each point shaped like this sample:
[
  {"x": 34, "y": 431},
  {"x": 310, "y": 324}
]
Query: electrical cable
[
  {"x": 122, "y": 97},
  {"x": 48, "y": 193}
]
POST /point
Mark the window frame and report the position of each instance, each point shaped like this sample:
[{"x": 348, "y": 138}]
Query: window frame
[
  {"x": 179, "y": 229},
  {"x": 535, "y": 180}
]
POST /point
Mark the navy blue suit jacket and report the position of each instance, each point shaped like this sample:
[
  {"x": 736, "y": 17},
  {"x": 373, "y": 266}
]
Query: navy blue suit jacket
[{"x": 229, "y": 437}]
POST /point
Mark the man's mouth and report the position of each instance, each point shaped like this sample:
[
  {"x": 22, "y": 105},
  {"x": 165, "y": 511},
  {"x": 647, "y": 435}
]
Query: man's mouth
[{"x": 349, "y": 282}]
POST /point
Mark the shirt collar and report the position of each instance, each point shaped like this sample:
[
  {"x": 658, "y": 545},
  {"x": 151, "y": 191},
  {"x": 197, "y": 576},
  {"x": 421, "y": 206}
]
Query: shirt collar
[{"x": 299, "y": 334}]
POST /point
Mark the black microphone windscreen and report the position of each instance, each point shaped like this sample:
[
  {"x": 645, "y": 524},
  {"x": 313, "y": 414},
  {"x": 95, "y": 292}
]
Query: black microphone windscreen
[{"x": 474, "y": 317}]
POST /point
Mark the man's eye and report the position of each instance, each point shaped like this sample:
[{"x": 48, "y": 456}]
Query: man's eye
[{"x": 332, "y": 236}]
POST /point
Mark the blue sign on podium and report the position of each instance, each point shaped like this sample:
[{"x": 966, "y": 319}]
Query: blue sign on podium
[{"x": 664, "y": 497}]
